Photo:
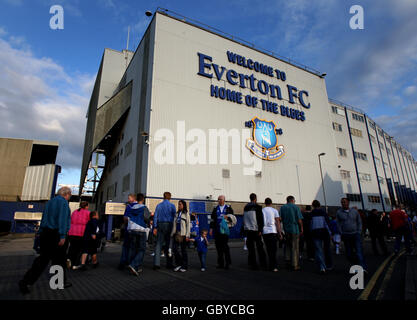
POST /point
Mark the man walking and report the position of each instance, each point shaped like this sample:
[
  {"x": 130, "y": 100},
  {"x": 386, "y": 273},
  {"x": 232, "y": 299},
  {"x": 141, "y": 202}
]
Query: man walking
[
  {"x": 125, "y": 258},
  {"x": 399, "y": 224},
  {"x": 137, "y": 230},
  {"x": 293, "y": 226},
  {"x": 376, "y": 230},
  {"x": 253, "y": 224},
  {"x": 350, "y": 226},
  {"x": 55, "y": 224},
  {"x": 271, "y": 233},
  {"x": 162, "y": 223},
  {"x": 221, "y": 238},
  {"x": 306, "y": 239}
]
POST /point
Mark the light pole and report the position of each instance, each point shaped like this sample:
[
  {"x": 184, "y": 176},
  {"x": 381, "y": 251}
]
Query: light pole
[{"x": 322, "y": 181}]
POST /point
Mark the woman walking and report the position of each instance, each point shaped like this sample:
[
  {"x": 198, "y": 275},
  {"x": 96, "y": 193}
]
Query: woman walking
[
  {"x": 181, "y": 234},
  {"x": 320, "y": 234},
  {"x": 79, "y": 220}
]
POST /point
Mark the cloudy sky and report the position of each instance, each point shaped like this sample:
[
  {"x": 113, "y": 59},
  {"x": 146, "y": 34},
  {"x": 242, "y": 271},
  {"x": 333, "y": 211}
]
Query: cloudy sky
[{"x": 46, "y": 76}]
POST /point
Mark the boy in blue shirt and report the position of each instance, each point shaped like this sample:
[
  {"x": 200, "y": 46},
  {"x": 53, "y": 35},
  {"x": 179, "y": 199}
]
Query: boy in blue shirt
[{"x": 202, "y": 244}]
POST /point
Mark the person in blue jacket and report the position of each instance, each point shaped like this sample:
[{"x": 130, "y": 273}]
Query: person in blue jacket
[{"x": 55, "y": 224}]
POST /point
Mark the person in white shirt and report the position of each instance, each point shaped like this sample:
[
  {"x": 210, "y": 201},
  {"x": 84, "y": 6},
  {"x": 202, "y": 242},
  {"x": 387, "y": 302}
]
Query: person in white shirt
[{"x": 271, "y": 233}]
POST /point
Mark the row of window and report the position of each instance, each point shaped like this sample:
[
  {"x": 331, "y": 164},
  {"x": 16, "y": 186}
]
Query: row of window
[
  {"x": 355, "y": 197},
  {"x": 341, "y": 112},
  {"x": 357, "y": 132},
  {"x": 361, "y": 156},
  {"x": 354, "y": 132},
  {"x": 364, "y": 177},
  {"x": 114, "y": 162},
  {"x": 112, "y": 189}
]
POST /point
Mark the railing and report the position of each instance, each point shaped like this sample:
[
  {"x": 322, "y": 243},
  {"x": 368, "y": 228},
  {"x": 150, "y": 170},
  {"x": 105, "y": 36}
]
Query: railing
[{"x": 236, "y": 39}]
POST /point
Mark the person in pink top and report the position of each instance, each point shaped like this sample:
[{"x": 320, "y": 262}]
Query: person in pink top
[{"x": 79, "y": 219}]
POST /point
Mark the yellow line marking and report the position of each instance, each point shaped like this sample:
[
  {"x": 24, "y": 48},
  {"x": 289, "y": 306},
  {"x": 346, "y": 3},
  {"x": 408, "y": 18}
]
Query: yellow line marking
[
  {"x": 387, "y": 277},
  {"x": 368, "y": 289}
]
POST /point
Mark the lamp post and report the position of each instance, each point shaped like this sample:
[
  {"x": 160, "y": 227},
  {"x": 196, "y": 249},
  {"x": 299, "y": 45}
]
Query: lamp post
[{"x": 322, "y": 181}]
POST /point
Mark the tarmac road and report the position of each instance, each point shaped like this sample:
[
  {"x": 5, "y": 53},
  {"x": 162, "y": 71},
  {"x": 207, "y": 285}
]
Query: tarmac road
[{"x": 240, "y": 283}]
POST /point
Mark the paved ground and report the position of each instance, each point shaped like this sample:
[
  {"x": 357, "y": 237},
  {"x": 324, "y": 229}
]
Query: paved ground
[{"x": 108, "y": 283}]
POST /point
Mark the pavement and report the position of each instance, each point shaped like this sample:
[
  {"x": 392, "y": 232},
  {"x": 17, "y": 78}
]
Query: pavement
[{"x": 239, "y": 283}]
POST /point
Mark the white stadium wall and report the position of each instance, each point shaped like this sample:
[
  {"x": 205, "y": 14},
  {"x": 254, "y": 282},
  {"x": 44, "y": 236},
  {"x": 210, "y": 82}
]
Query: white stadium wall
[
  {"x": 176, "y": 98},
  {"x": 180, "y": 94}
]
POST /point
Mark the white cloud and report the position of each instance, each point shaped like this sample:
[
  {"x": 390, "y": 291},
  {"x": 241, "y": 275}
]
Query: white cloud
[
  {"x": 410, "y": 90},
  {"x": 32, "y": 106},
  {"x": 3, "y": 32}
]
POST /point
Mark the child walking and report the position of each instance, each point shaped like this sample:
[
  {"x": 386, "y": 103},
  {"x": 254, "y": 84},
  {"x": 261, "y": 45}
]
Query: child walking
[
  {"x": 90, "y": 241},
  {"x": 202, "y": 244}
]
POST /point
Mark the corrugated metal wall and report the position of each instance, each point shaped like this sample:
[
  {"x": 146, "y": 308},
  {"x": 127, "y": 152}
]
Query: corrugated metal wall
[{"x": 38, "y": 183}]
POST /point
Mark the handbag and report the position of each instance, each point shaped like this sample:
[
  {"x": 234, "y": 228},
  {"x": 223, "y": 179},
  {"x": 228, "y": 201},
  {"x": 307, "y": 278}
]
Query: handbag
[
  {"x": 224, "y": 227},
  {"x": 178, "y": 237}
]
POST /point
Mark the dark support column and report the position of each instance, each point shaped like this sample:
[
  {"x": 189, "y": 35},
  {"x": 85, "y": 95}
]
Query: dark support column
[
  {"x": 373, "y": 159},
  {"x": 354, "y": 159}
]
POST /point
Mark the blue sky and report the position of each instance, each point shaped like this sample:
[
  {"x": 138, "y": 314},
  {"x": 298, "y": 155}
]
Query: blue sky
[{"x": 45, "y": 72}]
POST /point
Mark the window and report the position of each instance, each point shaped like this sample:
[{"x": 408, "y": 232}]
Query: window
[
  {"x": 388, "y": 201},
  {"x": 380, "y": 132},
  {"x": 361, "y": 156},
  {"x": 372, "y": 124},
  {"x": 354, "y": 197},
  {"x": 338, "y": 111},
  {"x": 377, "y": 161},
  {"x": 381, "y": 180},
  {"x": 128, "y": 148},
  {"x": 341, "y": 152},
  {"x": 110, "y": 192},
  {"x": 372, "y": 138},
  {"x": 385, "y": 166},
  {"x": 337, "y": 126},
  {"x": 358, "y": 117},
  {"x": 356, "y": 132},
  {"x": 364, "y": 177},
  {"x": 126, "y": 183},
  {"x": 381, "y": 146},
  {"x": 389, "y": 151},
  {"x": 374, "y": 199},
  {"x": 345, "y": 174},
  {"x": 225, "y": 173},
  {"x": 114, "y": 162}
]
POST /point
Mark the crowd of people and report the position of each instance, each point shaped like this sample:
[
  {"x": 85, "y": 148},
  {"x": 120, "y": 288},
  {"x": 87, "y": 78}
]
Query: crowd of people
[{"x": 69, "y": 240}]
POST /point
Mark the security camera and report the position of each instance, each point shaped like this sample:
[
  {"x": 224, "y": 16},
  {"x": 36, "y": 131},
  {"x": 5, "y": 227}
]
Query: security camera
[{"x": 148, "y": 13}]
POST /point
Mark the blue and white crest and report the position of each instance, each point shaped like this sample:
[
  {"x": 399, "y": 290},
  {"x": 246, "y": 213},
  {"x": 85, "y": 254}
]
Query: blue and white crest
[
  {"x": 264, "y": 133},
  {"x": 264, "y": 142}
]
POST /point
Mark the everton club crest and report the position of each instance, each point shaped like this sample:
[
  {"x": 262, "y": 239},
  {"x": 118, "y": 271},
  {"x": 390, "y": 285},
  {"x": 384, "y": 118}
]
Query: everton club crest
[{"x": 264, "y": 142}]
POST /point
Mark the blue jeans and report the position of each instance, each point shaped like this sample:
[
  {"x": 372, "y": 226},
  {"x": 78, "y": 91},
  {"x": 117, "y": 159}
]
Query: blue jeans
[
  {"x": 163, "y": 237},
  {"x": 353, "y": 242},
  {"x": 202, "y": 256},
  {"x": 399, "y": 233},
  {"x": 137, "y": 248},
  {"x": 323, "y": 256}
]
